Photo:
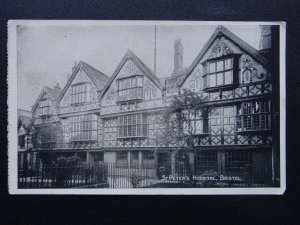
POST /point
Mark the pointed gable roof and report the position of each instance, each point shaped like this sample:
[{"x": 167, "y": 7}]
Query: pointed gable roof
[
  {"x": 52, "y": 93},
  {"x": 98, "y": 78},
  {"x": 139, "y": 63},
  {"x": 220, "y": 30},
  {"x": 24, "y": 118}
]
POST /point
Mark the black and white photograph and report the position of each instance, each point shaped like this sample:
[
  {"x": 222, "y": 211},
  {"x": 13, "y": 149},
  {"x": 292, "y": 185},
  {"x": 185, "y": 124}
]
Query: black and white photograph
[{"x": 146, "y": 107}]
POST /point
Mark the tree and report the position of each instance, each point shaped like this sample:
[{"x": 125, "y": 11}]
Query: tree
[
  {"x": 185, "y": 119},
  {"x": 46, "y": 136}
]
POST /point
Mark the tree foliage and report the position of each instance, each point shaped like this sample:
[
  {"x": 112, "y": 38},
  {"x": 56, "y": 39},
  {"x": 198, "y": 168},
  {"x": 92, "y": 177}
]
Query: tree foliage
[{"x": 180, "y": 119}]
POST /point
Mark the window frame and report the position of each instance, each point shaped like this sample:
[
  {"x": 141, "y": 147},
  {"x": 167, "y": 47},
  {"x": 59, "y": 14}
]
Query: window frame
[
  {"x": 217, "y": 72},
  {"x": 85, "y": 93},
  {"x": 130, "y": 125},
  {"x": 123, "y": 160},
  {"x": 83, "y": 128},
  {"x": 134, "y": 91},
  {"x": 247, "y": 119}
]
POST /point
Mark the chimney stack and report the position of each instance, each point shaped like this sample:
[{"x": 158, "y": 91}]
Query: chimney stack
[
  {"x": 178, "y": 56},
  {"x": 265, "y": 37}
]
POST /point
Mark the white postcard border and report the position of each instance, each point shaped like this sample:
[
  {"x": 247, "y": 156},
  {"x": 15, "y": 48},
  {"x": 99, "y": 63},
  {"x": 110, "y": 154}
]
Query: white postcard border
[{"x": 12, "y": 115}]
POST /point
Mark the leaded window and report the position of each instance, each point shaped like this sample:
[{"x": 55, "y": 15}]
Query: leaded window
[
  {"x": 45, "y": 107},
  {"x": 238, "y": 161},
  {"x": 84, "y": 128},
  {"x": 134, "y": 125},
  {"x": 219, "y": 73},
  {"x": 253, "y": 116},
  {"x": 130, "y": 88},
  {"x": 206, "y": 161},
  {"x": 122, "y": 159},
  {"x": 81, "y": 93}
]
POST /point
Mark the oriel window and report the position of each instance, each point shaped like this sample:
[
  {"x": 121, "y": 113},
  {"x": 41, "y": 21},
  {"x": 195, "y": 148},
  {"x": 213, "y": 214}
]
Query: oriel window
[
  {"x": 253, "y": 116},
  {"x": 81, "y": 93},
  {"x": 220, "y": 73}
]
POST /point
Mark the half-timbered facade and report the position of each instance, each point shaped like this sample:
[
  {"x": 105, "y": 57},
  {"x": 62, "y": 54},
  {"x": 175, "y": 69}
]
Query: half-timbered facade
[{"x": 117, "y": 119}]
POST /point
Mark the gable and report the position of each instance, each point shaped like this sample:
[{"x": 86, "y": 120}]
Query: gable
[
  {"x": 22, "y": 131},
  {"x": 220, "y": 47},
  {"x": 43, "y": 95},
  {"x": 80, "y": 76},
  {"x": 128, "y": 69}
]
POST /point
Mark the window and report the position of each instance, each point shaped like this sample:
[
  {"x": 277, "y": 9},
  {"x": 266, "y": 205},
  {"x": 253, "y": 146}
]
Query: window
[
  {"x": 196, "y": 124},
  {"x": 148, "y": 160},
  {"x": 130, "y": 88},
  {"x": 220, "y": 73},
  {"x": 238, "y": 161},
  {"x": 206, "y": 161},
  {"x": 253, "y": 116},
  {"x": 84, "y": 128},
  {"x": 134, "y": 160},
  {"x": 21, "y": 141},
  {"x": 81, "y": 93},
  {"x": 44, "y": 107},
  {"x": 134, "y": 125},
  {"x": 247, "y": 76},
  {"x": 122, "y": 159}
]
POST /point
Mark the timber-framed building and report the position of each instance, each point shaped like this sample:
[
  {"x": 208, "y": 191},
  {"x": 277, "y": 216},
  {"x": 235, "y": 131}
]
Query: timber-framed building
[{"x": 116, "y": 118}]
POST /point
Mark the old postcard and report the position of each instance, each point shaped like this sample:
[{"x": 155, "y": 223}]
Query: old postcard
[{"x": 146, "y": 107}]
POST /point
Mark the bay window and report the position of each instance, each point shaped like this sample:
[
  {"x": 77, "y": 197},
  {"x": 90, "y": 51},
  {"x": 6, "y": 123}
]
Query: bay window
[
  {"x": 81, "y": 93},
  {"x": 84, "y": 128},
  {"x": 134, "y": 125},
  {"x": 253, "y": 116},
  {"x": 130, "y": 88},
  {"x": 220, "y": 73},
  {"x": 45, "y": 107}
]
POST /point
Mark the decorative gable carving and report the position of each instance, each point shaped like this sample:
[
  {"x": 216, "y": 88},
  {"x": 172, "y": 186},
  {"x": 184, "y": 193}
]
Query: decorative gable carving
[
  {"x": 221, "y": 48},
  {"x": 129, "y": 68}
]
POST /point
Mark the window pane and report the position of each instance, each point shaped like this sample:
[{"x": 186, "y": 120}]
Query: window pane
[
  {"x": 133, "y": 81},
  {"x": 220, "y": 66},
  {"x": 220, "y": 79},
  {"x": 228, "y": 77},
  {"x": 212, "y": 80},
  {"x": 255, "y": 122},
  {"x": 139, "y": 81},
  {"x": 247, "y": 108},
  {"x": 212, "y": 67},
  {"x": 247, "y": 122},
  {"x": 228, "y": 64}
]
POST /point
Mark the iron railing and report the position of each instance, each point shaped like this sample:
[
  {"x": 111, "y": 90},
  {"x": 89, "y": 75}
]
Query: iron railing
[{"x": 109, "y": 175}]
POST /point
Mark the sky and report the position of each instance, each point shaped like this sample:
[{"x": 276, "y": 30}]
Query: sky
[{"x": 47, "y": 53}]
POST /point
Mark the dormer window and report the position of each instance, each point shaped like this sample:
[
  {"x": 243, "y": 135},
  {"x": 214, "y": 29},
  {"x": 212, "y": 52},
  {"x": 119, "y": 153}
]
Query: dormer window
[
  {"x": 130, "y": 88},
  {"x": 220, "y": 72},
  {"x": 81, "y": 93}
]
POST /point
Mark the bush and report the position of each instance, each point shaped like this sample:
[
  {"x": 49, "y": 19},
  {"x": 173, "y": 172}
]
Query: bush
[{"x": 135, "y": 180}]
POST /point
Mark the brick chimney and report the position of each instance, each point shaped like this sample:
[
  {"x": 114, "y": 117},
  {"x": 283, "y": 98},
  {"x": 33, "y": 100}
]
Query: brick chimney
[
  {"x": 265, "y": 38},
  {"x": 178, "y": 56}
]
